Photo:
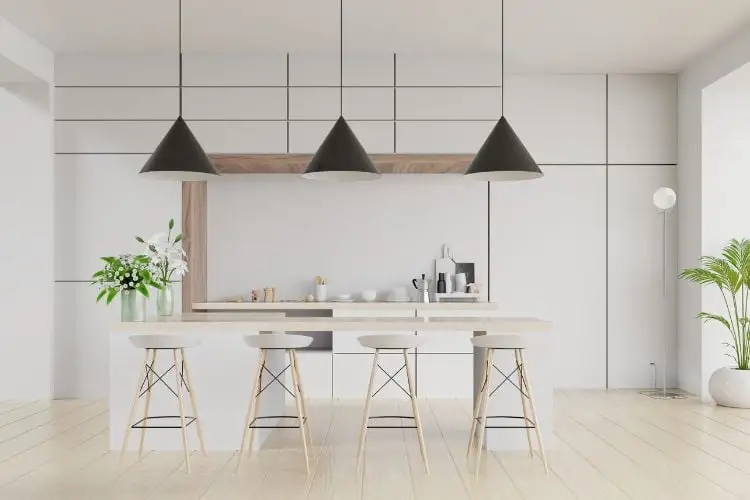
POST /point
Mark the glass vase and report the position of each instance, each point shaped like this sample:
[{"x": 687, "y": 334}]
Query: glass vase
[
  {"x": 165, "y": 300},
  {"x": 132, "y": 306}
]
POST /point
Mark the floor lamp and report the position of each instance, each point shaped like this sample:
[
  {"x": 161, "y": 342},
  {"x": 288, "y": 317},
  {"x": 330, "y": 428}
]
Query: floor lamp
[{"x": 664, "y": 200}]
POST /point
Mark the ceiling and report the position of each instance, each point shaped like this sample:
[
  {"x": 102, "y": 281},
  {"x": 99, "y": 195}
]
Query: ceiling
[{"x": 541, "y": 35}]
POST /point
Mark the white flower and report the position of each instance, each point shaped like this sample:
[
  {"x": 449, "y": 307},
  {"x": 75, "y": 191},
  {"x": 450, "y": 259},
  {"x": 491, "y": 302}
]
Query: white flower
[{"x": 159, "y": 242}]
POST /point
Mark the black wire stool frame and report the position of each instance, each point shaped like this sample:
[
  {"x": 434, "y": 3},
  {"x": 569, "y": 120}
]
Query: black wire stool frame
[
  {"x": 391, "y": 379},
  {"x": 146, "y": 388}
]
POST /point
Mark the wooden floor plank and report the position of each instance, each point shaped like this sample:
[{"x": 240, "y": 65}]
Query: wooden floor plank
[{"x": 615, "y": 445}]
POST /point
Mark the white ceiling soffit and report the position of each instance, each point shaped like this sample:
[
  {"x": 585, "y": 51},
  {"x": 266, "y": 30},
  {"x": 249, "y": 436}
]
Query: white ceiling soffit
[{"x": 542, "y": 35}]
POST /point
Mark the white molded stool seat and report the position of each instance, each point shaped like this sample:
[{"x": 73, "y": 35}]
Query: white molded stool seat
[
  {"x": 164, "y": 341},
  {"x": 278, "y": 341},
  {"x": 391, "y": 341},
  {"x": 501, "y": 341}
]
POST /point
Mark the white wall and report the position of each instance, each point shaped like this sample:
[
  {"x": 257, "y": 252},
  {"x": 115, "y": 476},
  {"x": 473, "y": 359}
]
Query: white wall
[
  {"x": 725, "y": 156},
  {"x": 26, "y": 257},
  {"x": 710, "y": 67},
  {"x": 382, "y": 234}
]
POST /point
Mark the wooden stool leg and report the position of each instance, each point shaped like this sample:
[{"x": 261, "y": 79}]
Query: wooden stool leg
[
  {"x": 193, "y": 401},
  {"x": 128, "y": 425},
  {"x": 521, "y": 385},
  {"x": 183, "y": 429},
  {"x": 252, "y": 408},
  {"x": 477, "y": 406},
  {"x": 366, "y": 415},
  {"x": 300, "y": 411},
  {"x": 304, "y": 401},
  {"x": 149, "y": 379},
  {"x": 483, "y": 409},
  {"x": 415, "y": 410},
  {"x": 533, "y": 413}
]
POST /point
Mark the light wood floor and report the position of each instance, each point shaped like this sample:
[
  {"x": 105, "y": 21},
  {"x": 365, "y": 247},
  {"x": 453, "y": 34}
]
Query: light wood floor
[{"x": 614, "y": 445}]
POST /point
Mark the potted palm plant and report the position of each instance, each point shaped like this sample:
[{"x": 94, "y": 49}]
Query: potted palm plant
[{"x": 730, "y": 273}]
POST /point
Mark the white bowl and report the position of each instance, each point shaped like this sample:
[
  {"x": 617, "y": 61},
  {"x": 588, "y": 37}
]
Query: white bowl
[{"x": 369, "y": 295}]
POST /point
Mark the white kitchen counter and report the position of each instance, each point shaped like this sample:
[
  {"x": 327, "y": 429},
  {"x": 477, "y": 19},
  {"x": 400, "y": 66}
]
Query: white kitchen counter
[
  {"x": 222, "y": 367},
  {"x": 337, "y": 305}
]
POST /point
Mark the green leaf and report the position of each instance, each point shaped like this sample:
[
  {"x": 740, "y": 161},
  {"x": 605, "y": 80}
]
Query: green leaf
[
  {"x": 101, "y": 294},
  {"x": 142, "y": 290},
  {"x": 111, "y": 294},
  {"x": 139, "y": 239},
  {"x": 178, "y": 238},
  {"x": 171, "y": 224},
  {"x": 715, "y": 317},
  {"x": 98, "y": 274}
]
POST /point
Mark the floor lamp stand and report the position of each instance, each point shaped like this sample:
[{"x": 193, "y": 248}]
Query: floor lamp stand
[{"x": 663, "y": 393}]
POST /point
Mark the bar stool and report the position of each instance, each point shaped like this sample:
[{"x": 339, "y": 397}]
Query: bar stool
[
  {"x": 288, "y": 343},
  {"x": 392, "y": 342},
  {"x": 153, "y": 344},
  {"x": 517, "y": 344}
]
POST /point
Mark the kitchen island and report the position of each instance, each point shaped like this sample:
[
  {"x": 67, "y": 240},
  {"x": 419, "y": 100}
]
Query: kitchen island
[{"x": 222, "y": 366}]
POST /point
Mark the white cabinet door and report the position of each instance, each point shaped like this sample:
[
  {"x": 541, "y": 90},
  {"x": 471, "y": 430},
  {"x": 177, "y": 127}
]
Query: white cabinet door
[
  {"x": 639, "y": 317},
  {"x": 425, "y": 70},
  {"x": 347, "y": 342},
  {"x": 351, "y": 375},
  {"x": 234, "y": 103},
  {"x": 314, "y": 103},
  {"x": 218, "y": 70},
  {"x": 445, "y": 375},
  {"x": 368, "y": 104},
  {"x": 116, "y": 103},
  {"x": 560, "y": 118},
  {"x": 549, "y": 261},
  {"x": 441, "y": 137},
  {"x": 116, "y": 70},
  {"x": 109, "y": 137},
  {"x": 316, "y": 374},
  {"x": 448, "y": 103},
  {"x": 240, "y": 137},
  {"x": 643, "y": 119}
]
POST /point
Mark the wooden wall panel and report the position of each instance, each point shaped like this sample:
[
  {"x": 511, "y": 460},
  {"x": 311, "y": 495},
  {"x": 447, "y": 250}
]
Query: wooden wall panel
[{"x": 194, "y": 231}]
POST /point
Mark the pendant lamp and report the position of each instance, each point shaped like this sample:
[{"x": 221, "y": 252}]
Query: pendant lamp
[
  {"x": 179, "y": 156},
  {"x": 503, "y": 157},
  {"x": 341, "y": 157}
]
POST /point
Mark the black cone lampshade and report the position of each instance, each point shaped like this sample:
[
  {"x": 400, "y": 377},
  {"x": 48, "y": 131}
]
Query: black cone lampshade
[
  {"x": 179, "y": 157},
  {"x": 503, "y": 157},
  {"x": 341, "y": 157}
]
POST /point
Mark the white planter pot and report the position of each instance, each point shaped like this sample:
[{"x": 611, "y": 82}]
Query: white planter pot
[{"x": 730, "y": 387}]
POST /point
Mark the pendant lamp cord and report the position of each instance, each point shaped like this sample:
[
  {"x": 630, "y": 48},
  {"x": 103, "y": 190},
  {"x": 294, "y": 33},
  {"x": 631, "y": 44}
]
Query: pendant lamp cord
[
  {"x": 179, "y": 44},
  {"x": 341, "y": 57},
  {"x": 502, "y": 57}
]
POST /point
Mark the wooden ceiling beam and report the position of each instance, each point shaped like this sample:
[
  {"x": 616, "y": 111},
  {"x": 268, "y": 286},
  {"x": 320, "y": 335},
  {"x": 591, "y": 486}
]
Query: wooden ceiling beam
[{"x": 386, "y": 163}]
